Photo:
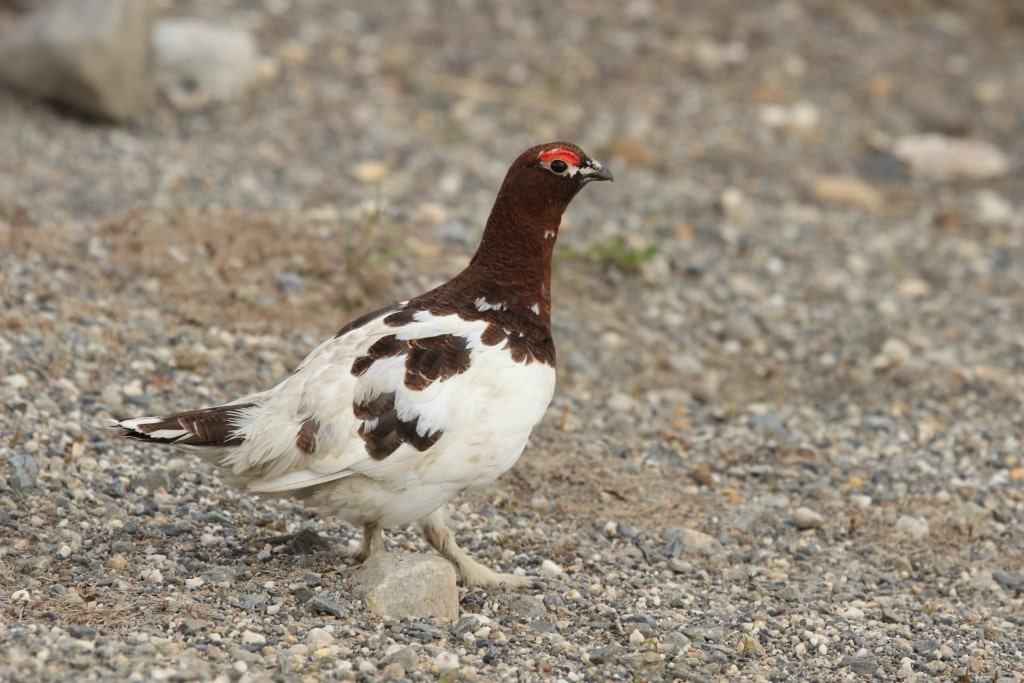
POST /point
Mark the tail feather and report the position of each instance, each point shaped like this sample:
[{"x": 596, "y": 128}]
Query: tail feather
[{"x": 207, "y": 427}]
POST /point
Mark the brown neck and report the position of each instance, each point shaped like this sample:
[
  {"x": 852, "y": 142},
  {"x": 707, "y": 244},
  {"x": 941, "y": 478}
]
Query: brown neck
[{"x": 512, "y": 265}]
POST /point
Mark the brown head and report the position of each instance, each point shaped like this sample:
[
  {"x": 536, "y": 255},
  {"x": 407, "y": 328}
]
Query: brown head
[
  {"x": 516, "y": 247},
  {"x": 508, "y": 281}
]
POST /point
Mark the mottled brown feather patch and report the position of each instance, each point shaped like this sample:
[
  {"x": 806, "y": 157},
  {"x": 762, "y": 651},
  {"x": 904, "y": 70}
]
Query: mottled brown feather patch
[
  {"x": 435, "y": 359},
  {"x": 385, "y": 347},
  {"x": 389, "y": 432},
  {"x": 305, "y": 440},
  {"x": 375, "y": 407}
]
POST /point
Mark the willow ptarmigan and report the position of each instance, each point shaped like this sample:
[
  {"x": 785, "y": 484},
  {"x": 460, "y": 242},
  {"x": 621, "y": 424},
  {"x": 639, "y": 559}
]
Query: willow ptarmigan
[{"x": 407, "y": 406}]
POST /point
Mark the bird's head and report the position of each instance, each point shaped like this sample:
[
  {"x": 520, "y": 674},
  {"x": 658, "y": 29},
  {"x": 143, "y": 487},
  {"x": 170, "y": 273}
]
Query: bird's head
[{"x": 552, "y": 174}]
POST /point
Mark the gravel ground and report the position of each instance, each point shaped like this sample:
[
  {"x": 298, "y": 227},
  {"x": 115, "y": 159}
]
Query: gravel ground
[{"x": 786, "y": 443}]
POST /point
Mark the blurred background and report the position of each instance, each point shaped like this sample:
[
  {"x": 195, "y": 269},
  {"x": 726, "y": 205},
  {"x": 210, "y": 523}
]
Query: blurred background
[{"x": 804, "y": 290}]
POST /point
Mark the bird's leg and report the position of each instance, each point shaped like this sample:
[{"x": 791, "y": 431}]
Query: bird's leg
[
  {"x": 373, "y": 541},
  {"x": 436, "y": 531}
]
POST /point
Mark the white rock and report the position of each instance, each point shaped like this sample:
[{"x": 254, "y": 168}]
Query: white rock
[
  {"x": 894, "y": 353},
  {"x": 198, "y": 64},
  {"x": 92, "y": 55},
  {"x": 915, "y": 527},
  {"x": 17, "y": 381},
  {"x": 253, "y": 638},
  {"x": 946, "y": 158},
  {"x": 549, "y": 569},
  {"x": 847, "y": 190},
  {"x": 806, "y": 518},
  {"x": 400, "y": 585},
  {"x": 318, "y": 638},
  {"x": 446, "y": 661},
  {"x": 194, "y": 582},
  {"x": 636, "y": 638},
  {"x": 992, "y": 208}
]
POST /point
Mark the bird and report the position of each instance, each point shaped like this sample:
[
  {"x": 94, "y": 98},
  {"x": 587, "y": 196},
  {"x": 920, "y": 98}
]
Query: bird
[{"x": 410, "y": 405}]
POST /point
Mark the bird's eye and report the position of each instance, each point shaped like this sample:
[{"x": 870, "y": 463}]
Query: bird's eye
[{"x": 559, "y": 166}]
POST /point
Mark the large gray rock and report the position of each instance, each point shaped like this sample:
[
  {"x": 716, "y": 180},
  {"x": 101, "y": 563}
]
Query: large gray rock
[
  {"x": 406, "y": 585},
  {"x": 198, "y": 64},
  {"x": 92, "y": 55}
]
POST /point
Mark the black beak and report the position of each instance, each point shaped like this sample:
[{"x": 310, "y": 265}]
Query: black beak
[{"x": 599, "y": 173}]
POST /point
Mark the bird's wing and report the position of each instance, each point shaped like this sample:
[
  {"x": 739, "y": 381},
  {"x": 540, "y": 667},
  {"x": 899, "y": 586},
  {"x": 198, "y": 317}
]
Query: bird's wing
[{"x": 368, "y": 401}]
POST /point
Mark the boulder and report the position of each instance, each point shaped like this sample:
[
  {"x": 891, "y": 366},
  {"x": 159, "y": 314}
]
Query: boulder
[{"x": 91, "y": 55}]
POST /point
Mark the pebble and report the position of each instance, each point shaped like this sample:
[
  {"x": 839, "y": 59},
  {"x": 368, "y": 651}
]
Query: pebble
[
  {"x": 318, "y": 638},
  {"x": 915, "y": 527},
  {"x": 253, "y": 640},
  {"x": 847, "y": 191},
  {"x": 550, "y": 570},
  {"x": 678, "y": 541},
  {"x": 199, "y": 64},
  {"x": 991, "y": 208},
  {"x": 806, "y": 518},
  {"x": 946, "y": 158},
  {"x": 446, "y": 661},
  {"x": 686, "y": 364},
  {"x": 370, "y": 172},
  {"x": 894, "y": 353}
]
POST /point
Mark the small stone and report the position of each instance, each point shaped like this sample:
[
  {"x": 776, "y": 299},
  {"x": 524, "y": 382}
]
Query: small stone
[
  {"x": 193, "y": 627},
  {"x": 637, "y": 638},
  {"x": 660, "y": 454},
  {"x": 915, "y": 527},
  {"x": 194, "y": 582},
  {"x": 318, "y": 638},
  {"x": 16, "y": 382},
  {"x": 199, "y": 64},
  {"x": 894, "y": 353},
  {"x": 853, "y": 613},
  {"x": 370, "y": 172},
  {"x": 22, "y": 470},
  {"x": 742, "y": 327},
  {"x": 796, "y": 117},
  {"x": 401, "y": 585},
  {"x": 323, "y": 605},
  {"x": 991, "y": 208},
  {"x": 948, "y": 158},
  {"x": 550, "y": 570},
  {"x": 405, "y": 657},
  {"x": 847, "y": 191},
  {"x": 605, "y": 654},
  {"x": 861, "y": 665},
  {"x": 678, "y": 541},
  {"x": 92, "y": 55},
  {"x": 806, "y": 518},
  {"x": 222, "y": 577},
  {"x": 253, "y": 641},
  {"x": 446, "y": 661},
  {"x": 1011, "y": 580},
  {"x": 686, "y": 364},
  {"x": 527, "y": 607}
]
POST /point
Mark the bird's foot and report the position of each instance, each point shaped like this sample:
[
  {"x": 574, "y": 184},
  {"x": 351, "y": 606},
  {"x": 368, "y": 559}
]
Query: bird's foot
[
  {"x": 305, "y": 542},
  {"x": 472, "y": 573}
]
